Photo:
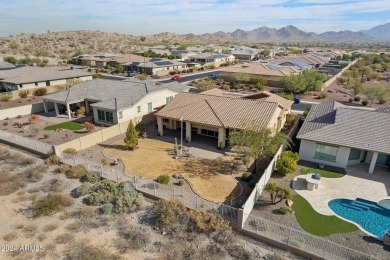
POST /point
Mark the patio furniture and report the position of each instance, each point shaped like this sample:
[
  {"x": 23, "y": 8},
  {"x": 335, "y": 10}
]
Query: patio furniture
[{"x": 312, "y": 181}]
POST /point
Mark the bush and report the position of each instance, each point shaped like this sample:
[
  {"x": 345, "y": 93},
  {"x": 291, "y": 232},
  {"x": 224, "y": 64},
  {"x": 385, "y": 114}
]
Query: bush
[
  {"x": 89, "y": 126},
  {"x": 283, "y": 210},
  {"x": 71, "y": 151},
  {"x": 107, "y": 208},
  {"x": 40, "y": 92},
  {"x": 357, "y": 98},
  {"x": 364, "y": 102},
  {"x": 50, "y": 204},
  {"x": 181, "y": 182},
  {"x": 83, "y": 189},
  {"x": 76, "y": 172},
  {"x": 288, "y": 96},
  {"x": 97, "y": 76},
  {"x": 321, "y": 95},
  {"x": 287, "y": 162},
  {"x": 24, "y": 93},
  {"x": 163, "y": 179},
  {"x": 81, "y": 111},
  {"x": 53, "y": 159},
  {"x": 350, "y": 100},
  {"x": 5, "y": 98},
  {"x": 92, "y": 177},
  {"x": 306, "y": 112},
  {"x": 246, "y": 176},
  {"x": 252, "y": 183}
]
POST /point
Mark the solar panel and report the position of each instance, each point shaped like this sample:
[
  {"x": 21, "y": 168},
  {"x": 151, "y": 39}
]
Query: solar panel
[
  {"x": 219, "y": 56},
  {"x": 273, "y": 67},
  {"x": 300, "y": 64},
  {"x": 163, "y": 63},
  {"x": 155, "y": 59}
]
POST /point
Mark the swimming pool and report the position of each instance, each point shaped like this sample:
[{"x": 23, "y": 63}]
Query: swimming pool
[{"x": 372, "y": 217}]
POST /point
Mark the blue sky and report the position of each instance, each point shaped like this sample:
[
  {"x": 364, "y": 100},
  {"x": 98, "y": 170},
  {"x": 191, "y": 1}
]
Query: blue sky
[{"x": 188, "y": 16}]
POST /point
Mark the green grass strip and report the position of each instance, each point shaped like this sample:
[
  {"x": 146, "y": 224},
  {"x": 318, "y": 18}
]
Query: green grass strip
[
  {"x": 66, "y": 125},
  {"x": 316, "y": 223},
  {"x": 326, "y": 174}
]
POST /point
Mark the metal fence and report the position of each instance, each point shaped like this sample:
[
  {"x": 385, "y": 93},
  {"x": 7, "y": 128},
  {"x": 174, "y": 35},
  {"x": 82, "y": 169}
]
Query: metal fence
[
  {"x": 312, "y": 244},
  {"x": 148, "y": 186},
  {"x": 25, "y": 142}
]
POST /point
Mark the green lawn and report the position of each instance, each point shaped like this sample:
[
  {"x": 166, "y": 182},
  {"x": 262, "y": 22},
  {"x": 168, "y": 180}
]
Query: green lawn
[
  {"x": 326, "y": 174},
  {"x": 318, "y": 224},
  {"x": 66, "y": 125}
]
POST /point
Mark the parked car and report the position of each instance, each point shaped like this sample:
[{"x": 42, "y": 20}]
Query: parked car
[
  {"x": 213, "y": 75},
  {"x": 176, "y": 77}
]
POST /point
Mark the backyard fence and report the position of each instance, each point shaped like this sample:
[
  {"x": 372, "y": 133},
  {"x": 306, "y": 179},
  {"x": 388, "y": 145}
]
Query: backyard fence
[
  {"x": 152, "y": 189},
  {"x": 27, "y": 143},
  {"x": 294, "y": 239}
]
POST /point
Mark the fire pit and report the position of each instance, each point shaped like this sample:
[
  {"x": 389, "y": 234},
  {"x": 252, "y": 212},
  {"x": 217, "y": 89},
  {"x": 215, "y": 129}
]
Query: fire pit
[{"x": 312, "y": 181}]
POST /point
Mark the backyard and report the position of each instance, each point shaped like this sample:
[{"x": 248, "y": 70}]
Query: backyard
[{"x": 210, "y": 178}]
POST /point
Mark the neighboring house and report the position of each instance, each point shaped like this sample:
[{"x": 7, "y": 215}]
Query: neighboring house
[
  {"x": 208, "y": 58},
  {"x": 245, "y": 53},
  {"x": 216, "y": 116},
  {"x": 185, "y": 55},
  {"x": 28, "y": 77},
  {"x": 308, "y": 59},
  {"x": 94, "y": 60},
  {"x": 113, "y": 101},
  {"x": 271, "y": 73},
  {"x": 155, "y": 66},
  {"x": 6, "y": 65},
  {"x": 338, "y": 135}
]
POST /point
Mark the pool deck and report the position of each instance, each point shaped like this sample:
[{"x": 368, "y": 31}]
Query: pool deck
[{"x": 357, "y": 183}]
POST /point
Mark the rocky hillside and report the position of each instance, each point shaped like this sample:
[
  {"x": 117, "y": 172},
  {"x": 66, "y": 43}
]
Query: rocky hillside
[{"x": 63, "y": 45}]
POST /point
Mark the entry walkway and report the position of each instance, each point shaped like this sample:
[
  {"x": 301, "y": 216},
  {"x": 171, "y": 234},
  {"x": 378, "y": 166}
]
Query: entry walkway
[{"x": 357, "y": 183}]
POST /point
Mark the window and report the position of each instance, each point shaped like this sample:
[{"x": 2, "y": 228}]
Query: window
[
  {"x": 150, "y": 107},
  {"x": 209, "y": 133},
  {"x": 326, "y": 152},
  {"x": 120, "y": 114},
  {"x": 47, "y": 83},
  {"x": 36, "y": 84},
  {"x": 168, "y": 99},
  {"x": 165, "y": 120},
  {"x": 354, "y": 154},
  {"x": 105, "y": 116},
  {"x": 138, "y": 109}
]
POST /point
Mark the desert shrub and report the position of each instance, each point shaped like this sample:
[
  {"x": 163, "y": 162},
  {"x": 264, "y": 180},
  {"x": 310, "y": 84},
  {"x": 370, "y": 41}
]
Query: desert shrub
[
  {"x": 181, "y": 182},
  {"x": 5, "y": 98},
  {"x": 40, "y": 92},
  {"x": 252, "y": 183},
  {"x": 306, "y": 112},
  {"x": 81, "y": 250},
  {"x": 30, "y": 230},
  {"x": 239, "y": 252},
  {"x": 19, "y": 159},
  {"x": 50, "y": 227},
  {"x": 64, "y": 238},
  {"x": 50, "y": 204},
  {"x": 53, "y": 159},
  {"x": 321, "y": 95},
  {"x": 246, "y": 176},
  {"x": 24, "y": 93},
  {"x": 382, "y": 99},
  {"x": 357, "y": 98},
  {"x": 163, "y": 179},
  {"x": 53, "y": 185},
  {"x": 107, "y": 208},
  {"x": 32, "y": 118},
  {"x": 35, "y": 174},
  {"x": 11, "y": 182},
  {"x": 46, "y": 136},
  {"x": 92, "y": 177},
  {"x": 76, "y": 172},
  {"x": 10, "y": 236},
  {"x": 287, "y": 162},
  {"x": 283, "y": 210},
  {"x": 364, "y": 102},
  {"x": 288, "y": 96},
  {"x": 75, "y": 226},
  {"x": 350, "y": 100},
  {"x": 5, "y": 123},
  {"x": 89, "y": 126},
  {"x": 71, "y": 151},
  {"x": 83, "y": 189}
]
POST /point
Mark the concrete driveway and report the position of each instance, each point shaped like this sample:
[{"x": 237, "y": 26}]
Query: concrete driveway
[{"x": 357, "y": 183}]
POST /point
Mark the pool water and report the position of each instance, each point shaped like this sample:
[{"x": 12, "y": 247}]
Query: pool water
[{"x": 372, "y": 217}]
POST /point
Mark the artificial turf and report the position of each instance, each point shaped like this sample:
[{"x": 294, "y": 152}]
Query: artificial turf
[
  {"x": 316, "y": 223},
  {"x": 326, "y": 174},
  {"x": 66, "y": 125}
]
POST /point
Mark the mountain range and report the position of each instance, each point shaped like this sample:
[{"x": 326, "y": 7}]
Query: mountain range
[{"x": 290, "y": 33}]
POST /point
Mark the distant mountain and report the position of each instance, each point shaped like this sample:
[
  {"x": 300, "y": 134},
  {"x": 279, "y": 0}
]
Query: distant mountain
[{"x": 291, "y": 33}]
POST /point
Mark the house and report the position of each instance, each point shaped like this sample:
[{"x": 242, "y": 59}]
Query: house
[
  {"x": 271, "y": 73},
  {"x": 94, "y": 60},
  {"x": 308, "y": 60},
  {"x": 208, "y": 58},
  {"x": 338, "y": 135},
  {"x": 155, "y": 66},
  {"x": 185, "y": 54},
  {"x": 216, "y": 116},
  {"x": 112, "y": 101},
  {"x": 6, "y": 65},
  {"x": 27, "y": 78},
  {"x": 245, "y": 53}
]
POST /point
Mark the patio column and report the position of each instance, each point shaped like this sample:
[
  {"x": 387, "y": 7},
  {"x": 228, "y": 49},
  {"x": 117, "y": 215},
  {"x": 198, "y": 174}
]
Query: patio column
[
  {"x": 174, "y": 124},
  {"x": 160, "y": 127},
  {"x": 56, "y": 109},
  {"x": 86, "y": 107},
  {"x": 68, "y": 110},
  {"x": 373, "y": 162},
  {"x": 221, "y": 138},
  {"x": 45, "y": 106},
  {"x": 188, "y": 131}
]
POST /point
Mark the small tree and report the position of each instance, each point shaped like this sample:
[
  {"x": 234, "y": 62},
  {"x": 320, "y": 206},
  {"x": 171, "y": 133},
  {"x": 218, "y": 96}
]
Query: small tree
[
  {"x": 131, "y": 139},
  {"x": 273, "y": 189},
  {"x": 24, "y": 93},
  {"x": 32, "y": 118},
  {"x": 89, "y": 126},
  {"x": 357, "y": 88},
  {"x": 287, "y": 162}
]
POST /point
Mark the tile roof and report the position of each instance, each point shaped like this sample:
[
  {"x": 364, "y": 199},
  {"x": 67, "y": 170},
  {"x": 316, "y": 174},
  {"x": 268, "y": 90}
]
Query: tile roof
[
  {"x": 334, "y": 123},
  {"x": 112, "y": 94},
  {"x": 208, "y": 55},
  {"x": 6, "y": 65},
  {"x": 233, "y": 113},
  {"x": 28, "y": 74},
  {"x": 260, "y": 69}
]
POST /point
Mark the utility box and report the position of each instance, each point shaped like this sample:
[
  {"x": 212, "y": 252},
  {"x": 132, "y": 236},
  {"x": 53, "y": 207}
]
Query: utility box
[{"x": 386, "y": 239}]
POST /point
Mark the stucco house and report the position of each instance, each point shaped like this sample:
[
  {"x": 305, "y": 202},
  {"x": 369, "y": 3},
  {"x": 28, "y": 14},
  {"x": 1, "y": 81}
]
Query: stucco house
[
  {"x": 29, "y": 78},
  {"x": 155, "y": 66},
  {"x": 216, "y": 116},
  {"x": 208, "y": 58},
  {"x": 112, "y": 101},
  {"x": 338, "y": 135}
]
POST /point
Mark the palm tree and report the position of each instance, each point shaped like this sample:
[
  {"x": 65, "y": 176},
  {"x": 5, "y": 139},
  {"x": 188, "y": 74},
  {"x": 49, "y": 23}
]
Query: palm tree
[{"x": 273, "y": 189}]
